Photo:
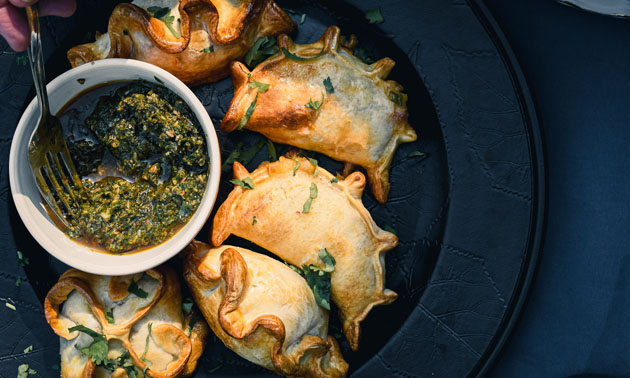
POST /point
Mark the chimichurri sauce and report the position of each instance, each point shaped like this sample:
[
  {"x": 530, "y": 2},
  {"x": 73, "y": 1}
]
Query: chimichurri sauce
[{"x": 144, "y": 163}]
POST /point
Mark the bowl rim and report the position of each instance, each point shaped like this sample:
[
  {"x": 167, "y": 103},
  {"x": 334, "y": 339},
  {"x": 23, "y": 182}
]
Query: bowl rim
[{"x": 122, "y": 264}]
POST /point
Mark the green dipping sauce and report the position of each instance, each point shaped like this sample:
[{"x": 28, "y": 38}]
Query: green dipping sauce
[{"x": 151, "y": 140}]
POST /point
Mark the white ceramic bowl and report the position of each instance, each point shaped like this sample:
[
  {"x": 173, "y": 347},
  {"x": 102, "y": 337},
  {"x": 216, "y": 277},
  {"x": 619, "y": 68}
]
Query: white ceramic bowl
[{"x": 26, "y": 196}]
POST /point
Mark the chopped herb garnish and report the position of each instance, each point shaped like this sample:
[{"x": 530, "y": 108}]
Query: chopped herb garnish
[
  {"x": 314, "y": 162},
  {"x": 263, "y": 48},
  {"x": 303, "y": 18},
  {"x": 208, "y": 49},
  {"x": 315, "y": 105},
  {"x": 146, "y": 349},
  {"x": 248, "y": 113},
  {"x": 328, "y": 85},
  {"x": 22, "y": 260},
  {"x": 81, "y": 81},
  {"x": 419, "y": 154},
  {"x": 248, "y": 155},
  {"x": 192, "y": 323},
  {"x": 297, "y": 166},
  {"x": 319, "y": 279},
  {"x": 389, "y": 228},
  {"x": 292, "y": 56},
  {"x": 360, "y": 53},
  {"x": 262, "y": 87},
  {"x": 133, "y": 288},
  {"x": 328, "y": 259},
  {"x": 10, "y": 305},
  {"x": 397, "y": 98},
  {"x": 295, "y": 269},
  {"x": 187, "y": 305},
  {"x": 55, "y": 367},
  {"x": 334, "y": 180},
  {"x": 24, "y": 371},
  {"x": 99, "y": 348},
  {"x": 312, "y": 195},
  {"x": 28, "y": 349},
  {"x": 290, "y": 11},
  {"x": 246, "y": 183},
  {"x": 271, "y": 150},
  {"x": 374, "y": 16},
  {"x": 254, "y": 221},
  {"x": 164, "y": 15},
  {"x": 109, "y": 316},
  {"x": 21, "y": 60},
  {"x": 18, "y": 281}
]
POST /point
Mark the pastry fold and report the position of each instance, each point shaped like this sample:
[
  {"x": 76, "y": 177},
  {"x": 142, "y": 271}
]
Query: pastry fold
[
  {"x": 357, "y": 117},
  {"x": 196, "y": 45},
  {"x": 336, "y": 220},
  {"x": 262, "y": 310},
  {"x": 105, "y": 305}
]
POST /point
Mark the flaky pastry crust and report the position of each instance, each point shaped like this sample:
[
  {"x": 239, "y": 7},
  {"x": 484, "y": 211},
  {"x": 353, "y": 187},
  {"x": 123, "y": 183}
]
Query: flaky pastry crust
[
  {"x": 262, "y": 310},
  {"x": 229, "y": 29},
  {"x": 359, "y": 123},
  {"x": 80, "y": 298},
  {"x": 337, "y": 221}
]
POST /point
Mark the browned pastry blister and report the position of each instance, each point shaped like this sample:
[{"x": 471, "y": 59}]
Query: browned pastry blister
[
  {"x": 336, "y": 220},
  {"x": 262, "y": 310},
  {"x": 226, "y": 27},
  {"x": 362, "y": 122},
  {"x": 80, "y": 298}
]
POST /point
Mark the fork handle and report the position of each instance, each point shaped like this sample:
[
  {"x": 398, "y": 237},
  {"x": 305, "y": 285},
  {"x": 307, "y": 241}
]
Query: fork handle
[{"x": 36, "y": 58}]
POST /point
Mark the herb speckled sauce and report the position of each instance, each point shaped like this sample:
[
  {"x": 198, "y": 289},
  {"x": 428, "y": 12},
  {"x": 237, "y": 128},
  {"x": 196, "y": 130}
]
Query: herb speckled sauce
[{"x": 158, "y": 147}]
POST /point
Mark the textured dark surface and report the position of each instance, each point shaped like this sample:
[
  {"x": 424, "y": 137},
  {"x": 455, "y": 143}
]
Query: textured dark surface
[{"x": 465, "y": 215}]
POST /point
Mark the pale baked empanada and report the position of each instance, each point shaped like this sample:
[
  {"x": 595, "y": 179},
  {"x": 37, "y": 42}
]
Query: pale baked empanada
[
  {"x": 336, "y": 220},
  {"x": 105, "y": 305},
  {"x": 196, "y": 45},
  {"x": 262, "y": 310},
  {"x": 361, "y": 122}
]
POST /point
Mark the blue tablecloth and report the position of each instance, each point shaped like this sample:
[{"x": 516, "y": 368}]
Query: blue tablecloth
[{"x": 577, "y": 319}]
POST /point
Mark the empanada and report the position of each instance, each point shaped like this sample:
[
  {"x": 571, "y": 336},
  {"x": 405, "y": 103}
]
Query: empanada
[
  {"x": 148, "y": 322},
  {"x": 262, "y": 310},
  {"x": 197, "y": 44},
  {"x": 356, "y": 116},
  {"x": 336, "y": 220}
]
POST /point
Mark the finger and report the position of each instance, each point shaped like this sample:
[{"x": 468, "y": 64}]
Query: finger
[
  {"x": 22, "y": 3},
  {"x": 63, "y": 8},
  {"x": 13, "y": 27}
]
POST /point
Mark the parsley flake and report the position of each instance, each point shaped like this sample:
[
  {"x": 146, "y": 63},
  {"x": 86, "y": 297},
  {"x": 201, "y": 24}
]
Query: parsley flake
[
  {"x": 262, "y": 87},
  {"x": 99, "y": 348},
  {"x": 248, "y": 113},
  {"x": 298, "y": 58},
  {"x": 208, "y": 49},
  {"x": 297, "y": 166},
  {"x": 18, "y": 281},
  {"x": 334, "y": 180},
  {"x": 328, "y": 85},
  {"x": 109, "y": 316},
  {"x": 187, "y": 305},
  {"x": 263, "y": 48},
  {"x": 24, "y": 371},
  {"x": 312, "y": 195},
  {"x": 302, "y": 18},
  {"x": 133, "y": 288},
  {"x": 315, "y": 105},
  {"x": 21, "y": 60},
  {"x": 271, "y": 150},
  {"x": 314, "y": 162},
  {"x": 164, "y": 15},
  {"x": 192, "y": 323},
  {"x": 146, "y": 349},
  {"x": 419, "y": 154},
  {"x": 22, "y": 260},
  {"x": 254, "y": 221},
  {"x": 28, "y": 349},
  {"x": 319, "y": 279},
  {"x": 374, "y": 16},
  {"x": 397, "y": 98},
  {"x": 234, "y": 155},
  {"x": 361, "y": 54},
  {"x": 328, "y": 259},
  {"x": 246, "y": 183}
]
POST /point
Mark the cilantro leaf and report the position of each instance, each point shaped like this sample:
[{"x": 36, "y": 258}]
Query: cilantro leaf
[
  {"x": 389, "y": 228},
  {"x": 328, "y": 259},
  {"x": 146, "y": 349},
  {"x": 297, "y": 166},
  {"x": 158, "y": 12},
  {"x": 314, "y": 162},
  {"x": 109, "y": 316},
  {"x": 248, "y": 155},
  {"x": 334, "y": 180},
  {"x": 246, "y": 183},
  {"x": 303, "y": 18},
  {"x": 315, "y": 105},
  {"x": 328, "y": 85},
  {"x": 28, "y": 349},
  {"x": 208, "y": 49},
  {"x": 374, "y": 16},
  {"x": 192, "y": 323},
  {"x": 292, "y": 56},
  {"x": 254, "y": 221},
  {"x": 24, "y": 371},
  {"x": 164, "y": 15},
  {"x": 133, "y": 288},
  {"x": 248, "y": 113},
  {"x": 319, "y": 282},
  {"x": 18, "y": 281},
  {"x": 397, "y": 98},
  {"x": 260, "y": 50},
  {"x": 21, "y": 60},
  {"x": 99, "y": 348},
  {"x": 419, "y": 154},
  {"x": 187, "y": 305},
  {"x": 313, "y": 194},
  {"x": 271, "y": 150},
  {"x": 22, "y": 260},
  {"x": 227, "y": 164},
  {"x": 360, "y": 53},
  {"x": 262, "y": 87}
]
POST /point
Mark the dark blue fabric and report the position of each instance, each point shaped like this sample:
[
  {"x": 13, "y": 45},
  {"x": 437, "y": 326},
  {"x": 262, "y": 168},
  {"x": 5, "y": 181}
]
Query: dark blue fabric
[{"x": 577, "y": 320}]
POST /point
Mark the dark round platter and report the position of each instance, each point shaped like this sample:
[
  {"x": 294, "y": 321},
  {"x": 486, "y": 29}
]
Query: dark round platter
[{"x": 469, "y": 216}]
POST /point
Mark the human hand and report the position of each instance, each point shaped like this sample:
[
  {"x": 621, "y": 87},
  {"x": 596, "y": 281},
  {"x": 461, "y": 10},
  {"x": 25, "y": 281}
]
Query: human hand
[{"x": 13, "y": 26}]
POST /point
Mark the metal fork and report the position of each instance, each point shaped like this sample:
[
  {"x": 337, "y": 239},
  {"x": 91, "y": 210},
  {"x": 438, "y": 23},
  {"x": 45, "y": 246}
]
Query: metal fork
[{"x": 51, "y": 164}]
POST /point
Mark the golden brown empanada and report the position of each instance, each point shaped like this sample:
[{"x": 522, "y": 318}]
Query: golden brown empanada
[
  {"x": 336, "y": 220},
  {"x": 203, "y": 38},
  {"x": 105, "y": 305},
  {"x": 262, "y": 310},
  {"x": 361, "y": 122}
]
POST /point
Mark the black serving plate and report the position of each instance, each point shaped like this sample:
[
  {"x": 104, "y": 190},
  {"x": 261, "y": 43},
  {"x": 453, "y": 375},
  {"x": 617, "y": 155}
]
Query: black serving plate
[{"x": 469, "y": 216}]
